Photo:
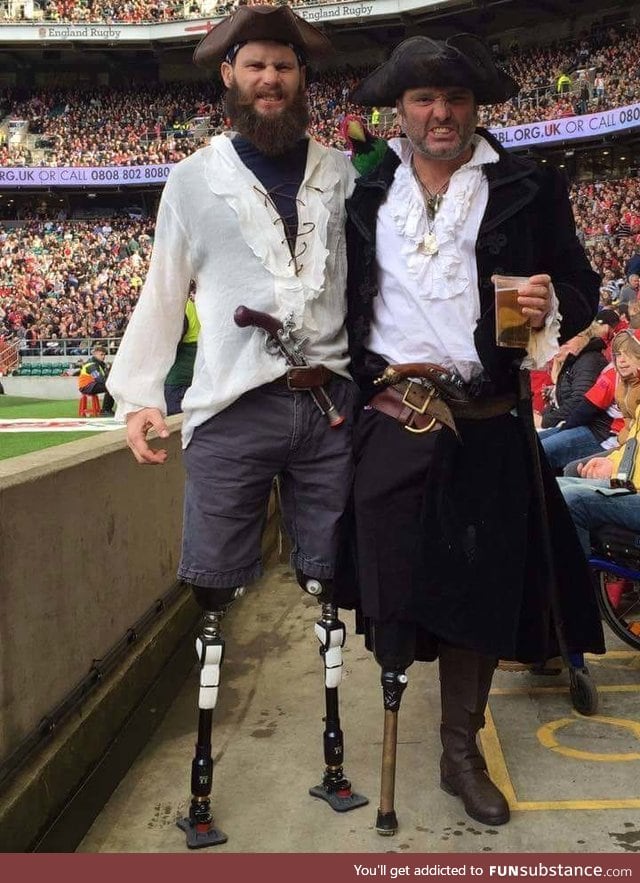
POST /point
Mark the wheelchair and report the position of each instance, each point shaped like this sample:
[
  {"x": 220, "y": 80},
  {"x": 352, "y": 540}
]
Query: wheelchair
[{"x": 615, "y": 563}]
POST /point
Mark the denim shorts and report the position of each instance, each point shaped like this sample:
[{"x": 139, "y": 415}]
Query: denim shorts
[{"x": 231, "y": 462}]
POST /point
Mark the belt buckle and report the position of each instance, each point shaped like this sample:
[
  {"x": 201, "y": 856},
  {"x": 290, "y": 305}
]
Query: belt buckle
[
  {"x": 422, "y": 409},
  {"x": 425, "y": 404},
  {"x": 297, "y": 371}
]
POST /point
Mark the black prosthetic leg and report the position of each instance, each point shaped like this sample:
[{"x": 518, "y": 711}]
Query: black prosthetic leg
[
  {"x": 335, "y": 788},
  {"x": 198, "y": 826},
  {"x": 394, "y": 649}
]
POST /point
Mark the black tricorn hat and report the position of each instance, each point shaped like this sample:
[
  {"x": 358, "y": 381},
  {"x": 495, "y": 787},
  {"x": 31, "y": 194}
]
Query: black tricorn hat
[
  {"x": 462, "y": 60},
  {"x": 246, "y": 23}
]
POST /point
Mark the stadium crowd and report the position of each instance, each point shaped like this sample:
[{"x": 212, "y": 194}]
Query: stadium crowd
[
  {"x": 80, "y": 279},
  {"x": 598, "y": 73},
  {"x": 129, "y": 12},
  {"x": 71, "y": 280},
  {"x": 102, "y": 126},
  {"x": 155, "y": 124},
  {"x": 107, "y": 11}
]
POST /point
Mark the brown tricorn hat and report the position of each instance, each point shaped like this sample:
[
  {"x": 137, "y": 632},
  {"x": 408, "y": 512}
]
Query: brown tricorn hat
[
  {"x": 464, "y": 60},
  {"x": 246, "y": 23}
]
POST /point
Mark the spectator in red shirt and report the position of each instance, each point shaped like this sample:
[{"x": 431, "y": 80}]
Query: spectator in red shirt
[
  {"x": 575, "y": 370},
  {"x": 616, "y": 392}
]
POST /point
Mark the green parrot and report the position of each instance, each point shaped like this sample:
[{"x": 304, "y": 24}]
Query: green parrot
[{"x": 366, "y": 150}]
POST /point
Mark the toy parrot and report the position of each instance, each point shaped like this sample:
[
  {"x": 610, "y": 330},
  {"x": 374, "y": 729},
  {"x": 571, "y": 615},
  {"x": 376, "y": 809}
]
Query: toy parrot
[{"x": 366, "y": 150}]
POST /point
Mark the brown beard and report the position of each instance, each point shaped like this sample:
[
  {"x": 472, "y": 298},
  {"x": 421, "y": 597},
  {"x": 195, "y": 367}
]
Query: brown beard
[{"x": 272, "y": 135}]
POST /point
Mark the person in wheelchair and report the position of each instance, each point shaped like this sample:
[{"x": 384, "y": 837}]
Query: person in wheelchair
[
  {"x": 616, "y": 392},
  {"x": 606, "y": 489}
]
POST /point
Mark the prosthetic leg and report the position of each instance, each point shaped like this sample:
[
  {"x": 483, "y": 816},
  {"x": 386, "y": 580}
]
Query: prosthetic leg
[
  {"x": 465, "y": 681},
  {"x": 394, "y": 650},
  {"x": 335, "y": 788},
  {"x": 199, "y": 826}
]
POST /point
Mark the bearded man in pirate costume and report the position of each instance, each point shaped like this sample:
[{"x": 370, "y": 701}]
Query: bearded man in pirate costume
[
  {"x": 256, "y": 220},
  {"x": 454, "y": 560}
]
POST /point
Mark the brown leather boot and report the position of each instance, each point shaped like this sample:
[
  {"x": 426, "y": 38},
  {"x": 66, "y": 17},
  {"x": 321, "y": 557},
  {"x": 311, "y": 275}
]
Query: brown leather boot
[{"x": 465, "y": 681}]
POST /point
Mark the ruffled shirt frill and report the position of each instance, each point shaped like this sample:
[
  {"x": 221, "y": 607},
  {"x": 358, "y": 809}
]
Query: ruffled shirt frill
[
  {"x": 443, "y": 274},
  {"x": 262, "y": 228},
  {"x": 450, "y": 273},
  {"x": 217, "y": 227}
]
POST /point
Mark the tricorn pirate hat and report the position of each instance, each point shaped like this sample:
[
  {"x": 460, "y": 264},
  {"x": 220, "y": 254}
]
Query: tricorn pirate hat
[
  {"x": 246, "y": 23},
  {"x": 463, "y": 60}
]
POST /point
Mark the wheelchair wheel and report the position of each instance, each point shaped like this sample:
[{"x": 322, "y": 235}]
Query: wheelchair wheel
[
  {"x": 622, "y": 614},
  {"x": 584, "y": 694}
]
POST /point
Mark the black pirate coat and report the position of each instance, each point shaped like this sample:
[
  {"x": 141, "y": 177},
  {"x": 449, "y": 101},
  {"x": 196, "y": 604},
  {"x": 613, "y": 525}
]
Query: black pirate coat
[{"x": 487, "y": 565}]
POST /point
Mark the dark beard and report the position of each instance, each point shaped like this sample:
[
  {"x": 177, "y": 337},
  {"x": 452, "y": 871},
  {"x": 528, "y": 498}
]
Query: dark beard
[{"x": 272, "y": 135}]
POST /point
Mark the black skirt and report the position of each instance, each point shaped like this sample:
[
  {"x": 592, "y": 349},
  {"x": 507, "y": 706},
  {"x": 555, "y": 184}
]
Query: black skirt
[{"x": 446, "y": 534}]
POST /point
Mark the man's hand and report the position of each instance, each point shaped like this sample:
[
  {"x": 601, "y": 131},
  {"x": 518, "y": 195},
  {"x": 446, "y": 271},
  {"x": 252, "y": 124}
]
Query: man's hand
[
  {"x": 138, "y": 425},
  {"x": 598, "y": 467},
  {"x": 534, "y": 298}
]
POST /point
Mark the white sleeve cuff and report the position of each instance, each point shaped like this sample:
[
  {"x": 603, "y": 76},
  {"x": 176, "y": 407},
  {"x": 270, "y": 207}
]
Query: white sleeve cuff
[
  {"x": 125, "y": 408},
  {"x": 543, "y": 342}
]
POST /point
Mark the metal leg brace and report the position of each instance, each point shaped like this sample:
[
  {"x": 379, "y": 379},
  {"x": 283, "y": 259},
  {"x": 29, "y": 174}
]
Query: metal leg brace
[
  {"x": 199, "y": 826},
  {"x": 393, "y": 686},
  {"x": 394, "y": 645},
  {"x": 335, "y": 787}
]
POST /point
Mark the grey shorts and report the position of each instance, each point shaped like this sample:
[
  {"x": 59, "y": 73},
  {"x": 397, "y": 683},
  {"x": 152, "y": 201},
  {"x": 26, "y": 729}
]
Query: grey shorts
[{"x": 231, "y": 462}]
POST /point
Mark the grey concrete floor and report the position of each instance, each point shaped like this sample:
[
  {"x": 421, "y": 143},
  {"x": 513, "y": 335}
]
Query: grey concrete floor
[{"x": 573, "y": 782}]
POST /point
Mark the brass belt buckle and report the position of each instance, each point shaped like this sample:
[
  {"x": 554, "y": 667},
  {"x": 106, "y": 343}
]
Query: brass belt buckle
[{"x": 418, "y": 409}]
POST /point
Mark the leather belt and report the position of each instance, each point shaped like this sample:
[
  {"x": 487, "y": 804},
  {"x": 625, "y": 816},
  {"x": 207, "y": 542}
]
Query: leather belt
[
  {"x": 484, "y": 408},
  {"x": 420, "y": 409},
  {"x": 416, "y": 407},
  {"x": 306, "y": 377}
]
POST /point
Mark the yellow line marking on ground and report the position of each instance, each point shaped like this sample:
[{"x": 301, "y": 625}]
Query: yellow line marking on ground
[
  {"x": 525, "y": 691},
  {"x": 497, "y": 768},
  {"x": 546, "y": 737},
  {"x": 494, "y": 756},
  {"x": 613, "y": 803},
  {"x": 594, "y": 657},
  {"x": 591, "y": 657},
  {"x": 630, "y": 658}
]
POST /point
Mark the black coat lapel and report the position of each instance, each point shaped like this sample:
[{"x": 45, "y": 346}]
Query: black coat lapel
[{"x": 512, "y": 185}]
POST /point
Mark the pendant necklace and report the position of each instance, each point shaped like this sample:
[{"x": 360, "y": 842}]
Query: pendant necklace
[{"x": 432, "y": 202}]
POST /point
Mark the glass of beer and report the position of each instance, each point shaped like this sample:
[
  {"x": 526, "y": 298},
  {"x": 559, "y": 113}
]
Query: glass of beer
[{"x": 512, "y": 328}]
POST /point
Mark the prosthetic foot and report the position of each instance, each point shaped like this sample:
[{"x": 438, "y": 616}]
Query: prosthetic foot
[
  {"x": 198, "y": 825},
  {"x": 335, "y": 788},
  {"x": 394, "y": 649}
]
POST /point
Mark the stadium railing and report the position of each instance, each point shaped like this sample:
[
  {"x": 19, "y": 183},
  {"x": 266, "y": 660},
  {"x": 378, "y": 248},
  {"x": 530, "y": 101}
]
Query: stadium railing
[{"x": 64, "y": 347}]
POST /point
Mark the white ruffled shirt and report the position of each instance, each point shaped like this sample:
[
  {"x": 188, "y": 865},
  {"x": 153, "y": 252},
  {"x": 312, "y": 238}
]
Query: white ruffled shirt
[
  {"x": 428, "y": 305},
  {"x": 216, "y": 226}
]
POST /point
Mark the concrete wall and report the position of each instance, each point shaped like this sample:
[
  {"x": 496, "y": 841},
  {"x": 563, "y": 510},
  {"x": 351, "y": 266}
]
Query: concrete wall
[
  {"x": 89, "y": 541},
  {"x": 41, "y": 387}
]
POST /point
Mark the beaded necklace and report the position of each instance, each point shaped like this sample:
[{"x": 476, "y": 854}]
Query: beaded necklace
[{"x": 432, "y": 202}]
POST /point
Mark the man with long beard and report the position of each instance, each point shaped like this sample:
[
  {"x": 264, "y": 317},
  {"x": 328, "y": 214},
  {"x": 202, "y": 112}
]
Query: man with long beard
[{"x": 257, "y": 219}]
